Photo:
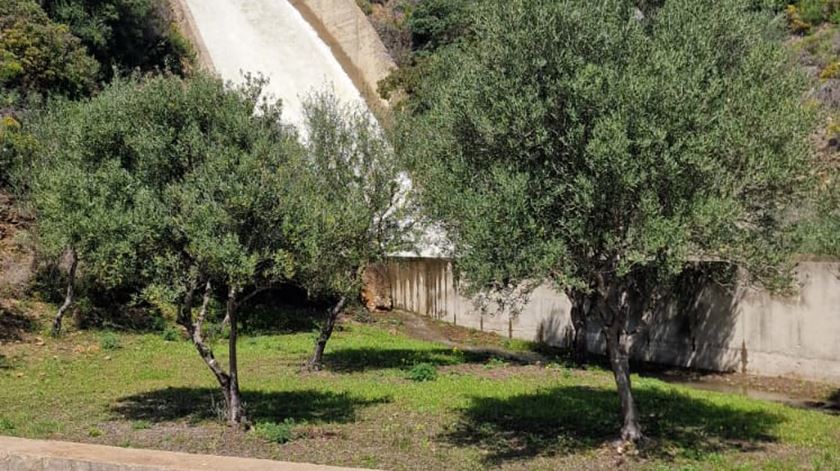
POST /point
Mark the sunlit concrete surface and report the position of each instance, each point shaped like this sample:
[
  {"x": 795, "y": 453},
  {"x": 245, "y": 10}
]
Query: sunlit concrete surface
[
  {"x": 270, "y": 37},
  {"x": 18, "y": 454}
]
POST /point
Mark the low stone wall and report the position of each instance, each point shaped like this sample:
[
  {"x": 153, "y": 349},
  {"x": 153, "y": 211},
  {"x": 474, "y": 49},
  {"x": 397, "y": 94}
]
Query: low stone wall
[
  {"x": 346, "y": 30},
  {"x": 742, "y": 329},
  {"x": 18, "y": 454}
]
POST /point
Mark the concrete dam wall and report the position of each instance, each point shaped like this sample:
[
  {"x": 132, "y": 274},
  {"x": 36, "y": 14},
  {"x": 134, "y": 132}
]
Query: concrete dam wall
[
  {"x": 713, "y": 328},
  {"x": 300, "y": 46}
]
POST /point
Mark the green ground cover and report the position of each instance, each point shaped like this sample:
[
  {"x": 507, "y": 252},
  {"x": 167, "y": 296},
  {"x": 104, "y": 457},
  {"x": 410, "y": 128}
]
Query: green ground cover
[{"x": 368, "y": 409}]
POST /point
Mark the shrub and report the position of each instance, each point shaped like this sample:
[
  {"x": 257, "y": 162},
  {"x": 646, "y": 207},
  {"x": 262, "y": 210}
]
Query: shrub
[
  {"x": 365, "y": 6},
  {"x": 831, "y": 71},
  {"x": 435, "y": 23},
  {"x": 6, "y": 425},
  {"x": 276, "y": 432},
  {"x": 805, "y": 14},
  {"x": 812, "y": 11},
  {"x": 423, "y": 372},
  {"x": 126, "y": 34},
  {"x": 141, "y": 425},
  {"x": 797, "y": 24},
  {"x": 109, "y": 341},
  {"x": 38, "y": 55},
  {"x": 170, "y": 334}
]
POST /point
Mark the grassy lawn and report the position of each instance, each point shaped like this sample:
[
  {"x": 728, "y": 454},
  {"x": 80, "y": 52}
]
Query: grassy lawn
[{"x": 480, "y": 412}]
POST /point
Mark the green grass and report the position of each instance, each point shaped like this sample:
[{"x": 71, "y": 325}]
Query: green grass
[{"x": 364, "y": 411}]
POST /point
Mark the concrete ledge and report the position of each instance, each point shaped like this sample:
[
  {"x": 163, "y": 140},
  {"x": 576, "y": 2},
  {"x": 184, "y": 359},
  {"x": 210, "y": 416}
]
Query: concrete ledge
[
  {"x": 343, "y": 26},
  {"x": 17, "y": 454}
]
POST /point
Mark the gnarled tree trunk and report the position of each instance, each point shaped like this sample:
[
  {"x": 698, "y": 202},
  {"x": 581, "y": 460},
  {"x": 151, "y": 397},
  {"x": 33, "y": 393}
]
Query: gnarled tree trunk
[
  {"x": 228, "y": 382},
  {"x": 69, "y": 296},
  {"x": 631, "y": 430},
  {"x": 314, "y": 363},
  {"x": 618, "y": 301},
  {"x": 236, "y": 410}
]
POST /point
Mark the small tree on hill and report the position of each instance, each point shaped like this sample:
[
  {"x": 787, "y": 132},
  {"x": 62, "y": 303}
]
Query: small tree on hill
[
  {"x": 601, "y": 149},
  {"x": 343, "y": 211}
]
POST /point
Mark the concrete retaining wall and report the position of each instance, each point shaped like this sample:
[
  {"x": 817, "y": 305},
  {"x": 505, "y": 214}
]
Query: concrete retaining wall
[
  {"x": 711, "y": 327},
  {"x": 18, "y": 454},
  {"x": 347, "y": 31}
]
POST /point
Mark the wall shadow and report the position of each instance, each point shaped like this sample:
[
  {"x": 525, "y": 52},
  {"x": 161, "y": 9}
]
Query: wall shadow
[
  {"x": 577, "y": 418},
  {"x": 364, "y": 359},
  {"x": 196, "y": 404},
  {"x": 694, "y": 327}
]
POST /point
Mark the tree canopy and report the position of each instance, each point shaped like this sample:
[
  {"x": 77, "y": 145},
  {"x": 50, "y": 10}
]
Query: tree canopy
[
  {"x": 343, "y": 210},
  {"x": 40, "y": 56},
  {"x": 181, "y": 187},
  {"x": 604, "y": 149},
  {"x": 163, "y": 181},
  {"x": 125, "y": 34}
]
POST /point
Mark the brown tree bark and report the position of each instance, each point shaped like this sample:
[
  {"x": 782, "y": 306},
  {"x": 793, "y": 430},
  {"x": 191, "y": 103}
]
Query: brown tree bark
[
  {"x": 69, "y": 296},
  {"x": 631, "y": 430},
  {"x": 617, "y": 301},
  {"x": 317, "y": 358},
  {"x": 228, "y": 382},
  {"x": 236, "y": 410}
]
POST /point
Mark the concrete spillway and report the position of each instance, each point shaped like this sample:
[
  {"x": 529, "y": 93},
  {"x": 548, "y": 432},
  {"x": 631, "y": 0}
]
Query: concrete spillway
[{"x": 271, "y": 38}]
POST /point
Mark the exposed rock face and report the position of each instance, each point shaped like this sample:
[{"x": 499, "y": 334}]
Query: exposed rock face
[{"x": 376, "y": 291}]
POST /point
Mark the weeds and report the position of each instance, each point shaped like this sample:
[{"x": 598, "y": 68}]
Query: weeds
[
  {"x": 109, "y": 341},
  {"x": 276, "y": 432},
  {"x": 423, "y": 372}
]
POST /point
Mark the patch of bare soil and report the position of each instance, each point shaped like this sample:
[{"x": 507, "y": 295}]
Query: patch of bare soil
[
  {"x": 467, "y": 340},
  {"x": 791, "y": 391}
]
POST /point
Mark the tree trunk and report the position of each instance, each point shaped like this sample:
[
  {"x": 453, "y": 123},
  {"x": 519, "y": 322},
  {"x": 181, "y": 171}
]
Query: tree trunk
[
  {"x": 314, "y": 363},
  {"x": 236, "y": 410},
  {"x": 578, "y": 314},
  {"x": 631, "y": 430},
  {"x": 229, "y": 383},
  {"x": 68, "y": 298}
]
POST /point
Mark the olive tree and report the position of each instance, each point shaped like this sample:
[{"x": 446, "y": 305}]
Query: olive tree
[
  {"x": 343, "y": 210},
  {"x": 603, "y": 149},
  {"x": 167, "y": 181},
  {"x": 93, "y": 207}
]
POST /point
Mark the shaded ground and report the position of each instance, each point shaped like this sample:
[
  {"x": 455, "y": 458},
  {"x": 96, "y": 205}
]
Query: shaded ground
[
  {"x": 490, "y": 408},
  {"x": 790, "y": 391}
]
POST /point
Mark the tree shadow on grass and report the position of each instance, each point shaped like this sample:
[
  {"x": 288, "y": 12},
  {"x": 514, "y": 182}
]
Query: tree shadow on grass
[
  {"x": 364, "y": 359},
  {"x": 571, "y": 419},
  {"x": 197, "y": 404},
  {"x": 14, "y": 324}
]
